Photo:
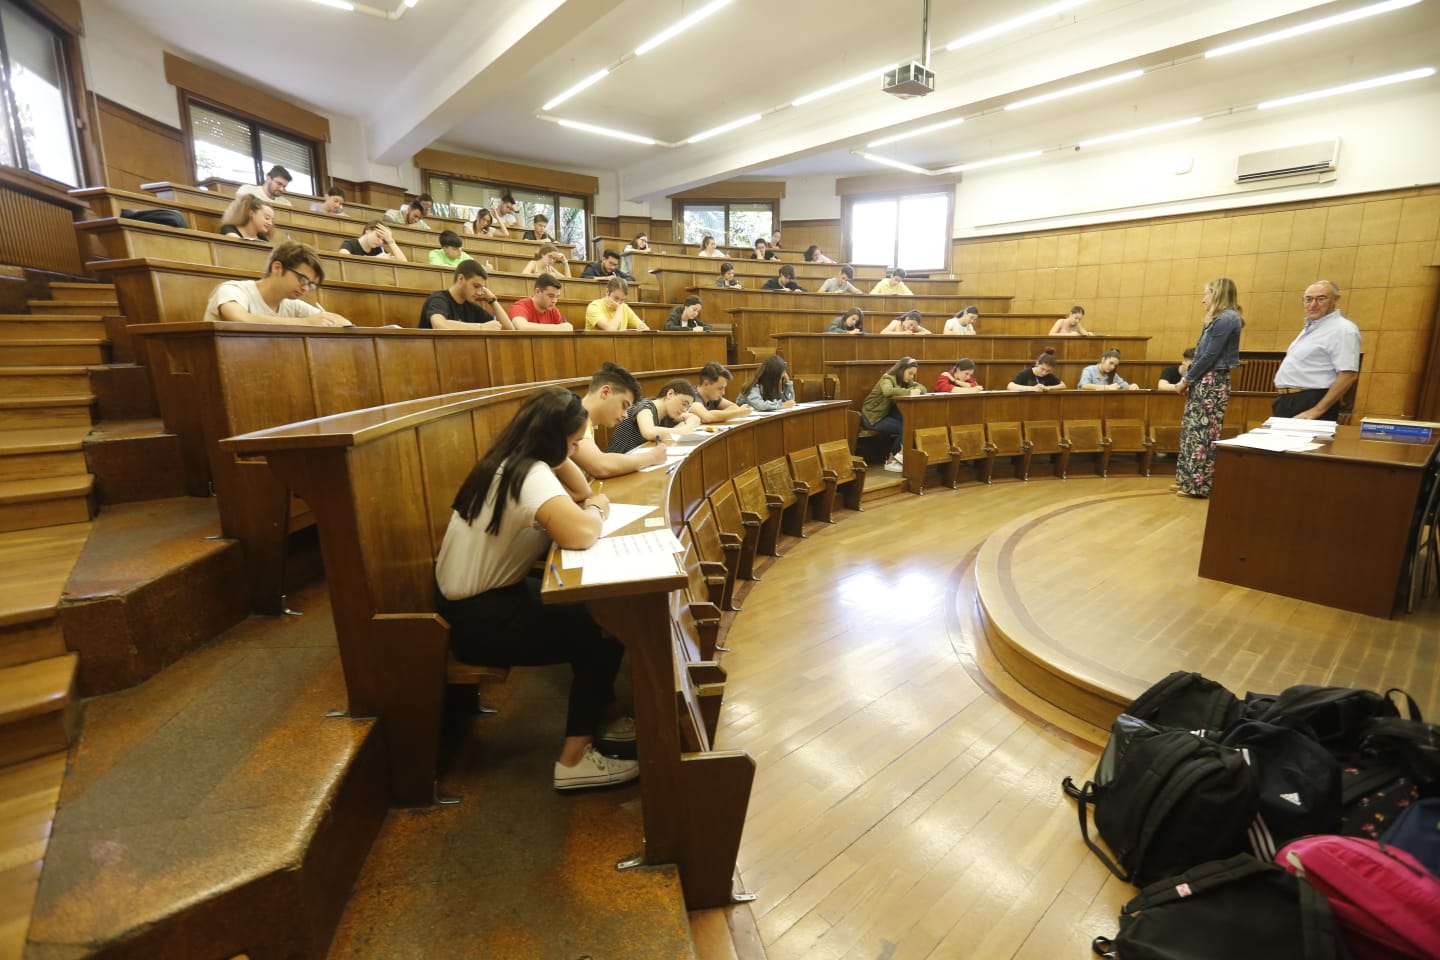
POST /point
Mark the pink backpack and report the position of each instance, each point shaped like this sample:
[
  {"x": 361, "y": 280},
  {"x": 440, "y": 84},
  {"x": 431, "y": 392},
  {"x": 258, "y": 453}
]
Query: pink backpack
[{"x": 1386, "y": 903}]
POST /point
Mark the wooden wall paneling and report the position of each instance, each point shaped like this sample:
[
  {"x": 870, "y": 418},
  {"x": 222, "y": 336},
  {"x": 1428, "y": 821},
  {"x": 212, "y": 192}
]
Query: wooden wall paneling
[
  {"x": 400, "y": 576},
  {"x": 553, "y": 354},
  {"x": 591, "y": 353},
  {"x": 447, "y": 454},
  {"x": 672, "y": 351},
  {"x": 252, "y": 258},
  {"x": 691, "y": 480},
  {"x": 512, "y": 361},
  {"x": 463, "y": 363},
  {"x": 344, "y": 374},
  {"x": 632, "y": 351},
  {"x": 740, "y": 446},
  {"x": 35, "y": 225},
  {"x": 265, "y": 380},
  {"x": 770, "y": 439},
  {"x": 407, "y": 369},
  {"x": 714, "y": 466},
  {"x": 138, "y": 149}
]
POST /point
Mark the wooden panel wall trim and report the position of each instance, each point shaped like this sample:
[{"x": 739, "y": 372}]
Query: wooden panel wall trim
[
  {"x": 138, "y": 149},
  {"x": 892, "y": 183},
  {"x": 240, "y": 96},
  {"x": 36, "y": 227},
  {"x": 64, "y": 14},
  {"x": 41, "y": 188},
  {"x": 501, "y": 171},
  {"x": 735, "y": 190}
]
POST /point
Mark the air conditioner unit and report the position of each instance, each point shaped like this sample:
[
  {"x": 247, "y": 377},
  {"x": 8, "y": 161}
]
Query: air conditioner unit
[
  {"x": 1308, "y": 159},
  {"x": 909, "y": 80}
]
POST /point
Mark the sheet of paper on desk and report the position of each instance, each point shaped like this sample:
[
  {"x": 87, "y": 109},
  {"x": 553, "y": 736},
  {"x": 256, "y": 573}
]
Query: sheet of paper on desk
[
  {"x": 1272, "y": 441},
  {"x": 654, "y": 542},
  {"x": 678, "y": 451},
  {"x": 638, "y": 557},
  {"x": 622, "y": 515},
  {"x": 1312, "y": 428}
]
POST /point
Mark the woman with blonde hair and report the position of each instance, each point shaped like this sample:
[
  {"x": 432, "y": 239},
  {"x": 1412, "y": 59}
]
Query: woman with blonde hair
[
  {"x": 1206, "y": 388},
  {"x": 249, "y": 218},
  {"x": 548, "y": 259}
]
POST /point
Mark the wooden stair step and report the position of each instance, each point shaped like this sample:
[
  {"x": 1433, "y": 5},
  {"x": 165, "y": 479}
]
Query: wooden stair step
[
  {"x": 37, "y": 707},
  {"x": 29, "y": 792},
  {"x": 18, "y": 413},
  {"x": 42, "y": 440},
  {"x": 30, "y": 380},
  {"x": 51, "y": 327},
  {"x": 87, "y": 307},
  {"x": 83, "y": 291},
  {"x": 52, "y": 351},
  {"x": 45, "y": 502}
]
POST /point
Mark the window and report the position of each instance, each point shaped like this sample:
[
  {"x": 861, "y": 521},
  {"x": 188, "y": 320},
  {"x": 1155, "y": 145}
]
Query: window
[
  {"x": 38, "y": 132},
  {"x": 233, "y": 148},
  {"x": 458, "y": 197},
  {"x": 910, "y": 231},
  {"x": 737, "y": 224}
]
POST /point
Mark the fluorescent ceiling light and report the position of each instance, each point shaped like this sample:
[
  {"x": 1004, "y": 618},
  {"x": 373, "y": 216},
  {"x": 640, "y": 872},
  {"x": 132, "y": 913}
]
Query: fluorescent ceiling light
[
  {"x": 1351, "y": 87},
  {"x": 1014, "y": 24},
  {"x": 679, "y": 26},
  {"x": 1304, "y": 28},
  {"x": 724, "y": 128},
  {"x": 916, "y": 133},
  {"x": 896, "y": 163},
  {"x": 842, "y": 85},
  {"x": 994, "y": 162},
  {"x": 1139, "y": 132},
  {"x": 591, "y": 80},
  {"x": 607, "y": 132},
  {"x": 1081, "y": 88},
  {"x": 411, "y": 3},
  {"x": 337, "y": 4}
]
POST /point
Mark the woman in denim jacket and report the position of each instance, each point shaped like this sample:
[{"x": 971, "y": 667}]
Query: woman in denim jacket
[{"x": 1206, "y": 388}]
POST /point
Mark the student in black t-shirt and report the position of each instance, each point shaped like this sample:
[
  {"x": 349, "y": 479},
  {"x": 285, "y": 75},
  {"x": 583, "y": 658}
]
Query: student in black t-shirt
[
  {"x": 374, "y": 241},
  {"x": 1171, "y": 375},
  {"x": 784, "y": 280},
  {"x": 539, "y": 229},
  {"x": 1040, "y": 377},
  {"x": 468, "y": 304}
]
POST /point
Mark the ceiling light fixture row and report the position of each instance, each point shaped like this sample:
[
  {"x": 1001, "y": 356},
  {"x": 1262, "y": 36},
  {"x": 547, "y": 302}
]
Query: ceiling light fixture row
[
  {"x": 870, "y": 75},
  {"x": 1416, "y": 74},
  {"x": 368, "y": 10}
]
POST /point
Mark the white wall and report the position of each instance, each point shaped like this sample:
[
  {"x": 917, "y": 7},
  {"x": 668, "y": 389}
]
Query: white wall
[{"x": 1389, "y": 140}]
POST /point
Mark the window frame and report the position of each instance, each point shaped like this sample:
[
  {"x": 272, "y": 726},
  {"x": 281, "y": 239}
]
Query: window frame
[
  {"x": 896, "y": 196},
  {"x": 680, "y": 203},
  {"x": 551, "y": 194},
  {"x": 73, "y": 91},
  {"x": 320, "y": 177}
]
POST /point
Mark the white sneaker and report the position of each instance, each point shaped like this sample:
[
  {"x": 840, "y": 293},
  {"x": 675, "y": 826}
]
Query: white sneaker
[
  {"x": 619, "y": 730},
  {"x": 899, "y": 458},
  {"x": 895, "y": 466},
  {"x": 595, "y": 770}
]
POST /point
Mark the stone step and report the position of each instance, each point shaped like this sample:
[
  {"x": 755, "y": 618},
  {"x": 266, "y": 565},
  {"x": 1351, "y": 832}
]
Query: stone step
[
  {"x": 38, "y": 711},
  {"x": 23, "y": 326},
  {"x": 215, "y": 810},
  {"x": 60, "y": 352},
  {"x": 47, "y": 381},
  {"x": 97, "y": 308},
  {"x": 45, "y": 502},
  {"x": 86, "y": 292}
]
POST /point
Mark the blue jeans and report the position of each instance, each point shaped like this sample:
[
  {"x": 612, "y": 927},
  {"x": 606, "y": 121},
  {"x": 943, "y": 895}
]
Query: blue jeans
[{"x": 889, "y": 425}]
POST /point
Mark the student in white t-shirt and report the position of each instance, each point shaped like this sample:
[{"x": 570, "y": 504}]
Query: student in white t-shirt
[
  {"x": 963, "y": 323},
  {"x": 275, "y": 298},
  {"x": 522, "y": 496}
]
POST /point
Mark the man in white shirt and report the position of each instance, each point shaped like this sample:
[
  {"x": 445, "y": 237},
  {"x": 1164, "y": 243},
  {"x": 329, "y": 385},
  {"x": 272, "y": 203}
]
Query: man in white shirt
[
  {"x": 504, "y": 211},
  {"x": 275, "y": 298},
  {"x": 1321, "y": 363},
  {"x": 273, "y": 189}
]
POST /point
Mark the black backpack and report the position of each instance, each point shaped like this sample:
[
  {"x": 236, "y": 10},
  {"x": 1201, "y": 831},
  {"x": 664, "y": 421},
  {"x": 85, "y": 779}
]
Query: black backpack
[
  {"x": 1188, "y": 701},
  {"x": 1297, "y": 780},
  {"x": 1165, "y": 800},
  {"x": 1337, "y": 717},
  {"x": 1239, "y": 908}
]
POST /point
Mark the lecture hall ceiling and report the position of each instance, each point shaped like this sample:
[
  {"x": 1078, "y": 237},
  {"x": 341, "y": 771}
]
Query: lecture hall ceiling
[{"x": 474, "y": 76}]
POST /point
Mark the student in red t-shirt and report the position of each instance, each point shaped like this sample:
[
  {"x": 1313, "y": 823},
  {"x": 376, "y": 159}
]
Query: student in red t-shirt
[
  {"x": 537, "y": 313},
  {"x": 959, "y": 379}
]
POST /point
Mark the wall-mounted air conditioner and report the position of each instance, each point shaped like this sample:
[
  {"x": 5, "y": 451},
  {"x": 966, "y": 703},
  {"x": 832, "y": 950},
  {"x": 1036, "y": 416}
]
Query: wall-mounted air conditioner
[{"x": 1316, "y": 161}]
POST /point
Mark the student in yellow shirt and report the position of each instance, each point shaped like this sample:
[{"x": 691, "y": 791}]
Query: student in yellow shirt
[{"x": 611, "y": 312}]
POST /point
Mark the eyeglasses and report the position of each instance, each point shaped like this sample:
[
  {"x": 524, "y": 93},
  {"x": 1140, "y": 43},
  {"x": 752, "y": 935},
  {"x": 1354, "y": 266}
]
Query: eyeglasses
[
  {"x": 306, "y": 283},
  {"x": 1317, "y": 299}
]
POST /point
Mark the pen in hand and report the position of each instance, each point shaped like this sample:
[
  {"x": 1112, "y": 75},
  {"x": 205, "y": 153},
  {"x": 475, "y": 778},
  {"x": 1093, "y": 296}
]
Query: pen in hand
[{"x": 556, "y": 574}]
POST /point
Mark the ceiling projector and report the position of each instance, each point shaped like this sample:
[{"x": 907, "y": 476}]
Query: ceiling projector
[{"x": 908, "y": 80}]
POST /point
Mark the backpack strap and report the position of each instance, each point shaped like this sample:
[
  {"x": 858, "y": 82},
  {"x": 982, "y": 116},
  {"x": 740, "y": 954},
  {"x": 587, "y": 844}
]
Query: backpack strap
[
  {"x": 1084, "y": 797},
  {"x": 1317, "y": 925},
  {"x": 1412, "y": 710},
  {"x": 1196, "y": 880}
]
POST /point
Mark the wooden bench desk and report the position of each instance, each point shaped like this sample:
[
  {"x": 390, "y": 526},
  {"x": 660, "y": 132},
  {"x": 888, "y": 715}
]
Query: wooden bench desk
[{"x": 215, "y": 380}]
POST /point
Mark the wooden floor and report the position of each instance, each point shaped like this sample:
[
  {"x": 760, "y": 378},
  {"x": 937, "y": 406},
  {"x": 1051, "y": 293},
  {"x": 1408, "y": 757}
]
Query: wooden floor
[{"x": 906, "y": 804}]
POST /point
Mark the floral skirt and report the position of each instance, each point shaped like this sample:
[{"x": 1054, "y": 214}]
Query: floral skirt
[{"x": 1205, "y": 405}]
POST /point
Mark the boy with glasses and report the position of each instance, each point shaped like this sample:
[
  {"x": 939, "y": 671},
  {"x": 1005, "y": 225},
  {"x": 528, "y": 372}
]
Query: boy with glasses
[{"x": 292, "y": 271}]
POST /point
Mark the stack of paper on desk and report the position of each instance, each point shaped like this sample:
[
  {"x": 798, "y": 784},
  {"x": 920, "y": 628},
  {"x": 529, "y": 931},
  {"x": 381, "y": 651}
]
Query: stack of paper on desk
[{"x": 640, "y": 556}]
